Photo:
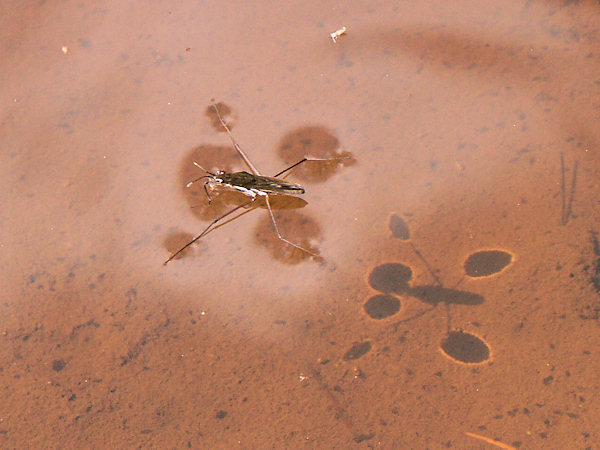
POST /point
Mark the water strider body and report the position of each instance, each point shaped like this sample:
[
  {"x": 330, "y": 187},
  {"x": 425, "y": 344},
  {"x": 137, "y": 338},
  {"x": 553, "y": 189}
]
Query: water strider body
[
  {"x": 254, "y": 185},
  {"x": 248, "y": 182}
]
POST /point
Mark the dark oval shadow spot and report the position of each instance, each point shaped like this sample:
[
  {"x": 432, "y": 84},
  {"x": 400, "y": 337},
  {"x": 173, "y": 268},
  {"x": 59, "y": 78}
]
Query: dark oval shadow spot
[
  {"x": 313, "y": 142},
  {"x": 358, "y": 350},
  {"x": 60, "y": 364},
  {"x": 381, "y": 306},
  {"x": 434, "y": 294},
  {"x": 363, "y": 437},
  {"x": 399, "y": 227},
  {"x": 391, "y": 277},
  {"x": 465, "y": 347},
  {"x": 226, "y": 113},
  {"x": 487, "y": 262}
]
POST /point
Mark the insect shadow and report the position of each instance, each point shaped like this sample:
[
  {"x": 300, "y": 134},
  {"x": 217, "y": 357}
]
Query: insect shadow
[
  {"x": 250, "y": 190},
  {"x": 396, "y": 278}
]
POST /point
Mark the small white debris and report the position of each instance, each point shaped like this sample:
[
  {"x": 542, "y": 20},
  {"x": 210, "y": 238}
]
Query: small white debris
[
  {"x": 65, "y": 49},
  {"x": 336, "y": 34}
]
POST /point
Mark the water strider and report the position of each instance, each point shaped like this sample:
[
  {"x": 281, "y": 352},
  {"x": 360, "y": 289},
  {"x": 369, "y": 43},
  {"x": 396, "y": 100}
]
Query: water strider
[{"x": 254, "y": 185}]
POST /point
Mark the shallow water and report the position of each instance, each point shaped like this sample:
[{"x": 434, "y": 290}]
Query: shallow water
[{"x": 473, "y": 131}]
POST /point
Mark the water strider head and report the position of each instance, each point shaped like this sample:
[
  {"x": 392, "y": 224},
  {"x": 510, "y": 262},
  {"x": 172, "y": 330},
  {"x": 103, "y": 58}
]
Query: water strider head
[{"x": 214, "y": 176}]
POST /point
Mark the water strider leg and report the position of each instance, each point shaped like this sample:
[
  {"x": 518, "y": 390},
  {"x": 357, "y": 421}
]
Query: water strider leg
[
  {"x": 235, "y": 144},
  {"x": 210, "y": 175},
  {"x": 305, "y": 160},
  {"x": 231, "y": 219},
  {"x": 205, "y": 188},
  {"x": 247, "y": 161},
  {"x": 207, "y": 193},
  {"x": 266, "y": 196},
  {"x": 207, "y": 229}
]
